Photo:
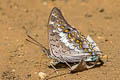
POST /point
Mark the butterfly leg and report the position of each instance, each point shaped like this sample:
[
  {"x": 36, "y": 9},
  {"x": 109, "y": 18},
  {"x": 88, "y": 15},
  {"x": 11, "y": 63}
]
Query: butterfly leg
[
  {"x": 52, "y": 64},
  {"x": 66, "y": 63},
  {"x": 53, "y": 67},
  {"x": 70, "y": 68}
]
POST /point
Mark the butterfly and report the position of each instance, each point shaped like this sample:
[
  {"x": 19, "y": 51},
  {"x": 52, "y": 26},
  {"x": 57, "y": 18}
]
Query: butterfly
[{"x": 68, "y": 45}]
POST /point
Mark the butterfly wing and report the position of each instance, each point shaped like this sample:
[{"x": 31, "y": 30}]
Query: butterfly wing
[{"x": 65, "y": 42}]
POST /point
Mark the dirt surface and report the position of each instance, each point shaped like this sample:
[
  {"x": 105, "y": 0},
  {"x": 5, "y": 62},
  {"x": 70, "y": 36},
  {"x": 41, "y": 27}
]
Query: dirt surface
[{"x": 21, "y": 60}]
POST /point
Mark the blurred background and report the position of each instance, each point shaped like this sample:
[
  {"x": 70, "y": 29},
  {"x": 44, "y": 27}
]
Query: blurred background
[{"x": 21, "y": 60}]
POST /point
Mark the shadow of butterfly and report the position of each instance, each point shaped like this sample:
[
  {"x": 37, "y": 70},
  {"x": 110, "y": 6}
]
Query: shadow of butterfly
[{"x": 67, "y": 45}]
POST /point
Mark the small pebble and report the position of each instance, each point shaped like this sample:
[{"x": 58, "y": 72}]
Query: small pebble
[
  {"x": 45, "y": 3},
  {"x": 28, "y": 75},
  {"x": 26, "y": 10},
  {"x": 105, "y": 56},
  {"x": 88, "y": 15},
  {"x": 9, "y": 28},
  {"x": 111, "y": 35},
  {"x": 42, "y": 75},
  {"x": 6, "y": 38},
  {"x": 13, "y": 70},
  {"x": 16, "y": 6},
  {"x": 101, "y": 10},
  {"x": 17, "y": 40},
  {"x": 106, "y": 40},
  {"x": 35, "y": 72},
  {"x": 111, "y": 42},
  {"x": 99, "y": 37},
  {"x": 13, "y": 5}
]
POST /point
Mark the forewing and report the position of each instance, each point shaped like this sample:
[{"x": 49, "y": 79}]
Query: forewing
[{"x": 56, "y": 24}]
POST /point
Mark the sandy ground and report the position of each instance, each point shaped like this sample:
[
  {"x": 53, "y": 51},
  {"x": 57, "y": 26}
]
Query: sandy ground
[{"x": 21, "y": 60}]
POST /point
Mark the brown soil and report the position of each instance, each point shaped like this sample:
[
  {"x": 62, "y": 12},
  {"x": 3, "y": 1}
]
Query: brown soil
[{"x": 21, "y": 60}]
